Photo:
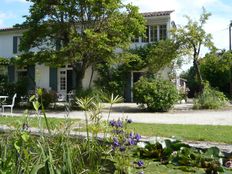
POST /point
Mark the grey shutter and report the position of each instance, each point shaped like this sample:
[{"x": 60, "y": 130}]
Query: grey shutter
[
  {"x": 15, "y": 44},
  {"x": 127, "y": 90},
  {"x": 53, "y": 78},
  {"x": 11, "y": 73},
  {"x": 74, "y": 77},
  {"x": 31, "y": 77}
]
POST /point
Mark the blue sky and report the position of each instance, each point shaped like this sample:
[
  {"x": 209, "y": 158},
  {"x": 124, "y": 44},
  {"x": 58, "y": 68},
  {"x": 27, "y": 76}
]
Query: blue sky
[{"x": 11, "y": 12}]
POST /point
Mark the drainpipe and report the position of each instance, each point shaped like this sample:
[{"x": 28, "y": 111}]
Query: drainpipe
[{"x": 230, "y": 51}]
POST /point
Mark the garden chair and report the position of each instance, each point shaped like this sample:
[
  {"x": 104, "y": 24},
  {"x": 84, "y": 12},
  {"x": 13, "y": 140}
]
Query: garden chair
[{"x": 10, "y": 106}]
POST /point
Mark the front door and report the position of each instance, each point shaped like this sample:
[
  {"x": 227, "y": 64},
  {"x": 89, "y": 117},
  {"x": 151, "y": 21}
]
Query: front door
[{"x": 62, "y": 84}]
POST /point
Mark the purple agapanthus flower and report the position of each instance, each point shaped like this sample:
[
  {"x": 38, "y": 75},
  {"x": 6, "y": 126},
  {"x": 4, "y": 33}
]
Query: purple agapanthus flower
[
  {"x": 112, "y": 123},
  {"x": 119, "y": 123},
  {"x": 140, "y": 163},
  {"x": 131, "y": 141},
  {"x": 137, "y": 137},
  {"x": 131, "y": 135},
  {"x": 122, "y": 148},
  {"x": 119, "y": 131},
  {"x": 115, "y": 142}
]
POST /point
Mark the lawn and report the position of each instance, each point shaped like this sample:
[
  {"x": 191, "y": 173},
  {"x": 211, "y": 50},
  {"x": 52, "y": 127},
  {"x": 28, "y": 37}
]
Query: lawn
[
  {"x": 187, "y": 132},
  {"x": 32, "y": 121}
]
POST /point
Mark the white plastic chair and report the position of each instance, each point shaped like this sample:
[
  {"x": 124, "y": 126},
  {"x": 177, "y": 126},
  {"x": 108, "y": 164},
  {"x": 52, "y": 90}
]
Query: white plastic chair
[{"x": 10, "y": 106}]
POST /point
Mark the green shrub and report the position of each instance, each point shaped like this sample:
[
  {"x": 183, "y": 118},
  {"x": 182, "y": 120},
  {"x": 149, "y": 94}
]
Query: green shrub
[
  {"x": 210, "y": 99},
  {"x": 157, "y": 94},
  {"x": 10, "y": 89},
  {"x": 48, "y": 97}
]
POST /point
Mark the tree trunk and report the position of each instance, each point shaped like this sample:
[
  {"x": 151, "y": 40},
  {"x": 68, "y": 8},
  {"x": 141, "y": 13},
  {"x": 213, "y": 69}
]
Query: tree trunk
[
  {"x": 230, "y": 83},
  {"x": 91, "y": 77},
  {"x": 198, "y": 73},
  {"x": 80, "y": 73}
]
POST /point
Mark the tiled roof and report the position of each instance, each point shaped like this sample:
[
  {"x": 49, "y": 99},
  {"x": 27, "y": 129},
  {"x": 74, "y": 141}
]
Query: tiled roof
[
  {"x": 157, "y": 13},
  {"x": 10, "y": 29},
  {"x": 147, "y": 14}
]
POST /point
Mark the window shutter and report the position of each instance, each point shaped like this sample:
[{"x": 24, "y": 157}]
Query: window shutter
[
  {"x": 53, "y": 78},
  {"x": 11, "y": 73},
  {"x": 15, "y": 44},
  {"x": 31, "y": 77}
]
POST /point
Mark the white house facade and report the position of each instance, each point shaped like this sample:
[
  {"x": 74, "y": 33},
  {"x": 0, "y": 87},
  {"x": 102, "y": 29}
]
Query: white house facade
[{"x": 62, "y": 79}]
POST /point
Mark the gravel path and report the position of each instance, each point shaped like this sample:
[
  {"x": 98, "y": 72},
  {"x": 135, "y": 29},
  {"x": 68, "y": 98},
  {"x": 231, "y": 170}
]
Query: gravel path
[{"x": 181, "y": 115}]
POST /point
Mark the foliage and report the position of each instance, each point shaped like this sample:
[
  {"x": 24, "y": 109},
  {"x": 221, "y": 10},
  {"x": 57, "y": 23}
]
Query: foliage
[
  {"x": 179, "y": 154},
  {"x": 192, "y": 82},
  {"x": 192, "y": 37},
  {"x": 157, "y": 94},
  {"x": 4, "y": 61},
  {"x": 154, "y": 57},
  {"x": 216, "y": 69},
  {"x": 96, "y": 93},
  {"x": 48, "y": 97},
  {"x": 112, "y": 78},
  {"x": 10, "y": 89},
  {"x": 210, "y": 99},
  {"x": 79, "y": 31},
  {"x": 150, "y": 58},
  {"x": 162, "y": 54}
]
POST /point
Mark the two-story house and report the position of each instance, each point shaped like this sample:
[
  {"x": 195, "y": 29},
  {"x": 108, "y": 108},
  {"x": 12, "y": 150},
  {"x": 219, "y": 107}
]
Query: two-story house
[{"x": 62, "y": 79}]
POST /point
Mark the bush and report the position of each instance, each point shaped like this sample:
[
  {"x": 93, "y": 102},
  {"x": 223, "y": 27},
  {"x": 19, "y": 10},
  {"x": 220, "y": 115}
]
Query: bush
[
  {"x": 48, "y": 98},
  {"x": 210, "y": 99},
  {"x": 10, "y": 89},
  {"x": 157, "y": 94}
]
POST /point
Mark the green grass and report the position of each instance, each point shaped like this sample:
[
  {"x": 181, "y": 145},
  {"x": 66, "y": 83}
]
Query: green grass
[
  {"x": 155, "y": 167},
  {"x": 187, "y": 132},
  {"x": 33, "y": 121},
  {"x": 152, "y": 167}
]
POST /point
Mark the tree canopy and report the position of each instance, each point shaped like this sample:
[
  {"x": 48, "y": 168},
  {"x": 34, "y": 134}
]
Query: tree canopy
[
  {"x": 68, "y": 31},
  {"x": 216, "y": 68},
  {"x": 192, "y": 37}
]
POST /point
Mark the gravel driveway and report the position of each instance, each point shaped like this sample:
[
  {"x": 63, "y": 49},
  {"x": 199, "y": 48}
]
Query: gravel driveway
[{"x": 181, "y": 115}]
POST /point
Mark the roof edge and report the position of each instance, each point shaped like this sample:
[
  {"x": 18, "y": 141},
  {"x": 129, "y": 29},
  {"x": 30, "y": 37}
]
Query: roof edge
[{"x": 145, "y": 14}]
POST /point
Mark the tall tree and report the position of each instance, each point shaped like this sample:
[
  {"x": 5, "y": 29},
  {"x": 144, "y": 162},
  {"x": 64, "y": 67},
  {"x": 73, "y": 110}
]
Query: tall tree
[
  {"x": 82, "y": 33},
  {"x": 216, "y": 68},
  {"x": 192, "y": 37}
]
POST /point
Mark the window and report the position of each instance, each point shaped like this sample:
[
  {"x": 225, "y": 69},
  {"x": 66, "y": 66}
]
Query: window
[
  {"x": 16, "y": 42},
  {"x": 21, "y": 73},
  {"x": 146, "y": 38},
  {"x": 136, "y": 39},
  {"x": 153, "y": 33},
  {"x": 163, "y": 32}
]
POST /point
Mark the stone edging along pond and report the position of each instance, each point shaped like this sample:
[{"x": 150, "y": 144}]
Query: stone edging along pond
[{"x": 224, "y": 148}]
